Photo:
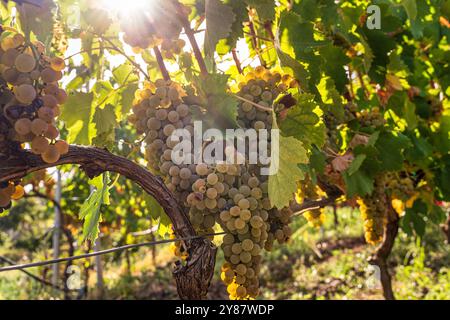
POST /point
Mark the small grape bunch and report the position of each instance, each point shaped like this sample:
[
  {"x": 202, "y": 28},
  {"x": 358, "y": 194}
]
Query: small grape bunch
[
  {"x": 32, "y": 97},
  {"x": 155, "y": 25},
  {"x": 370, "y": 118},
  {"x": 259, "y": 92},
  {"x": 170, "y": 48},
  {"x": 374, "y": 210}
]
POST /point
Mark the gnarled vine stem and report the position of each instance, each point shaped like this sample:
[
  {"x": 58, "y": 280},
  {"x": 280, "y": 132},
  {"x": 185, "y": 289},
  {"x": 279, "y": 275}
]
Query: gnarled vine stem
[{"x": 192, "y": 278}]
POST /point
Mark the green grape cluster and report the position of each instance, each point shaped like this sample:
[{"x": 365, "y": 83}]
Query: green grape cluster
[
  {"x": 370, "y": 118},
  {"x": 259, "y": 92},
  {"x": 30, "y": 98},
  {"x": 158, "y": 111},
  {"x": 374, "y": 210},
  {"x": 231, "y": 195}
]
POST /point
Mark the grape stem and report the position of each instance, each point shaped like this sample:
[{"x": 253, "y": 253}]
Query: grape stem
[
  {"x": 191, "y": 36},
  {"x": 254, "y": 41},
  {"x": 236, "y": 60},
  {"x": 253, "y": 103},
  {"x": 161, "y": 65}
]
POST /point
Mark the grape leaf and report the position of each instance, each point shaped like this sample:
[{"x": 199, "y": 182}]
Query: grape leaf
[
  {"x": 77, "y": 113},
  {"x": 38, "y": 19},
  {"x": 127, "y": 97},
  {"x": 356, "y": 163},
  {"x": 302, "y": 123},
  {"x": 411, "y": 8},
  {"x": 157, "y": 212},
  {"x": 264, "y": 8},
  {"x": 414, "y": 219},
  {"x": 283, "y": 184},
  {"x": 335, "y": 69},
  {"x": 298, "y": 70},
  {"x": 359, "y": 183},
  {"x": 391, "y": 147},
  {"x": 124, "y": 74},
  {"x": 221, "y": 108},
  {"x": 105, "y": 122},
  {"x": 240, "y": 11},
  {"x": 219, "y": 20},
  {"x": 90, "y": 210}
]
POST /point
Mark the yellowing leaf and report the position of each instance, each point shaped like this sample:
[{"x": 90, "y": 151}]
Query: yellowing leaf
[{"x": 283, "y": 184}]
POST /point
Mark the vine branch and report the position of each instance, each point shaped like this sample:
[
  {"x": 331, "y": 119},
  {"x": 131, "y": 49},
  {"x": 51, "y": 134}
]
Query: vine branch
[
  {"x": 161, "y": 65},
  {"x": 184, "y": 21},
  {"x": 194, "y": 277}
]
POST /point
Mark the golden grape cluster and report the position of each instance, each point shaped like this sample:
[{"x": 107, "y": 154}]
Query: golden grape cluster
[
  {"x": 233, "y": 195},
  {"x": 307, "y": 190},
  {"x": 30, "y": 98},
  {"x": 374, "y": 210}
]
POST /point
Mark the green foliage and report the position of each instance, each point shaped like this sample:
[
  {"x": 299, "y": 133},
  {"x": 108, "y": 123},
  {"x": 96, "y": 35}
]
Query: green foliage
[
  {"x": 91, "y": 209},
  {"x": 282, "y": 184},
  {"x": 77, "y": 115}
]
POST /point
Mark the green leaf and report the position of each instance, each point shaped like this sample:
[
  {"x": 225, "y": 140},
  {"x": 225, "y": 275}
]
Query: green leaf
[
  {"x": 303, "y": 123},
  {"x": 105, "y": 119},
  {"x": 105, "y": 122},
  {"x": 264, "y": 8},
  {"x": 409, "y": 112},
  {"x": 124, "y": 74},
  {"x": 391, "y": 147},
  {"x": 104, "y": 93},
  {"x": 127, "y": 98},
  {"x": 157, "y": 212},
  {"x": 411, "y": 8},
  {"x": 441, "y": 138},
  {"x": 359, "y": 183},
  {"x": 220, "y": 107},
  {"x": 90, "y": 210},
  {"x": 356, "y": 164},
  {"x": 334, "y": 61},
  {"x": 283, "y": 184},
  {"x": 241, "y": 15},
  {"x": 219, "y": 20},
  {"x": 414, "y": 218},
  {"x": 442, "y": 179},
  {"x": 298, "y": 70},
  {"x": 77, "y": 114},
  {"x": 38, "y": 19},
  {"x": 380, "y": 45}
]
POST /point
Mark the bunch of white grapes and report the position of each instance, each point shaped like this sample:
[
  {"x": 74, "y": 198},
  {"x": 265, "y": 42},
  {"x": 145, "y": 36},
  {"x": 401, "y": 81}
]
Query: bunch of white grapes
[
  {"x": 232, "y": 195},
  {"x": 30, "y": 98}
]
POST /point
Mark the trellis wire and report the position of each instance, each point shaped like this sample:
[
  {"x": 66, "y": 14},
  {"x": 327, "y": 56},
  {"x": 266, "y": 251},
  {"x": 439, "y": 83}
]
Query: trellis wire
[{"x": 102, "y": 252}]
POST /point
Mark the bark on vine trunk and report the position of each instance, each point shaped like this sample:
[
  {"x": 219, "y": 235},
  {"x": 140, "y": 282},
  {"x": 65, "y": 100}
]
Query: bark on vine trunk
[
  {"x": 193, "y": 278},
  {"x": 446, "y": 229},
  {"x": 380, "y": 258}
]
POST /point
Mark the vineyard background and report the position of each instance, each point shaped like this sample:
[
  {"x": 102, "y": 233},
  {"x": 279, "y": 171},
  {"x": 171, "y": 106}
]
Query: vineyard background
[{"x": 358, "y": 210}]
